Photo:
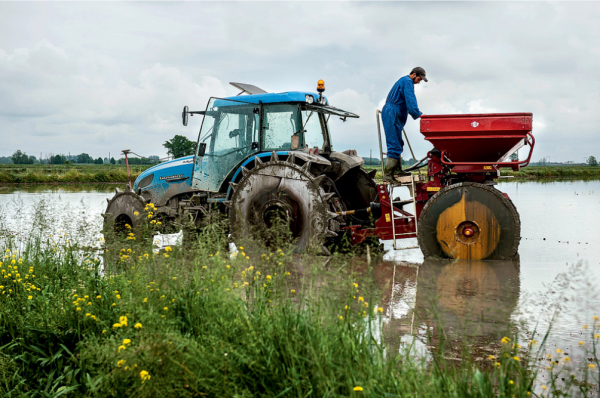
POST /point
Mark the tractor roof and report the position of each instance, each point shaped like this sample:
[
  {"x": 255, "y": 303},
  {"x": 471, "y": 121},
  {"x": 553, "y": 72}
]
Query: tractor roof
[{"x": 271, "y": 98}]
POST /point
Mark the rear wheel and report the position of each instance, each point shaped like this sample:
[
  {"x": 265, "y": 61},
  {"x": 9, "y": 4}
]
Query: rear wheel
[
  {"x": 279, "y": 199},
  {"x": 469, "y": 221}
]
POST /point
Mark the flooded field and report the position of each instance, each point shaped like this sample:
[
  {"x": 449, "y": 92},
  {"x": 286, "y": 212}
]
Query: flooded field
[{"x": 559, "y": 266}]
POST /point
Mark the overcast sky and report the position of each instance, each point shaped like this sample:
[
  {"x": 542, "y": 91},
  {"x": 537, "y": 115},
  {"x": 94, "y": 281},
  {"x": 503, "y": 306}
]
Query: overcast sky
[{"x": 102, "y": 77}]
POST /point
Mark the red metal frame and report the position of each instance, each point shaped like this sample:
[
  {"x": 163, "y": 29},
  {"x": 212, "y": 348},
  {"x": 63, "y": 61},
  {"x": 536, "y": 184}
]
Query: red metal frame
[{"x": 405, "y": 227}]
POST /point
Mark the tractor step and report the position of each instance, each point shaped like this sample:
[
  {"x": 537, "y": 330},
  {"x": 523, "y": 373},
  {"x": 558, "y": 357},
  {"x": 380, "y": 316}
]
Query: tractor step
[
  {"x": 407, "y": 180},
  {"x": 402, "y": 202}
]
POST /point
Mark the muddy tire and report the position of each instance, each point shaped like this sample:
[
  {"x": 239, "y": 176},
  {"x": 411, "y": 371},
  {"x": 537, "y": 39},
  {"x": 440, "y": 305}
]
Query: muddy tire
[
  {"x": 120, "y": 212},
  {"x": 469, "y": 221},
  {"x": 288, "y": 191}
]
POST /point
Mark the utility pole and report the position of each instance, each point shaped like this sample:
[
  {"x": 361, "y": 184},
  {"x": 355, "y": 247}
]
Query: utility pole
[{"x": 370, "y": 157}]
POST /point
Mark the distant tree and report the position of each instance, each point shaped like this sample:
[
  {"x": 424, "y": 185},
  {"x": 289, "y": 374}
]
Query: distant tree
[
  {"x": 542, "y": 162},
  {"x": 58, "y": 159},
  {"x": 371, "y": 161},
  {"x": 99, "y": 161},
  {"x": 112, "y": 161},
  {"x": 591, "y": 161},
  {"x": 84, "y": 158},
  {"x": 514, "y": 156},
  {"x": 21, "y": 158},
  {"x": 5, "y": 160},
  {"x": 180, "y": 146}
]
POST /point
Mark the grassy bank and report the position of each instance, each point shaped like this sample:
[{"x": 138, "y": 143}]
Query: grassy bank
[
  {"x": 35, "y": 174},
  {"x": 200, "y": 321},
  {"x": 554, "y": 171},
  {"x": 533, "y": 172}
]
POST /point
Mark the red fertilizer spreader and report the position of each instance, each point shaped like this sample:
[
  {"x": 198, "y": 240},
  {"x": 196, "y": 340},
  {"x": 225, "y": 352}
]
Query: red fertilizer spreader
[{"x": 459, "y": 213}]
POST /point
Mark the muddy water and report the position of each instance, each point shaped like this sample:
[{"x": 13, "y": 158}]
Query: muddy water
[{"x": 559, "y": 263}]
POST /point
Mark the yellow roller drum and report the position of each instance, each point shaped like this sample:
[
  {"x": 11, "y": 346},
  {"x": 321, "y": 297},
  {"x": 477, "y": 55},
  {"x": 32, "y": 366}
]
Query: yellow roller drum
[{"x": 469, "y": 221}]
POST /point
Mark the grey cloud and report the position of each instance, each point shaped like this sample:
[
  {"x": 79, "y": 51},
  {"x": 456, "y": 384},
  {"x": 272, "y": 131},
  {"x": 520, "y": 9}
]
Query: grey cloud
[{"x": 102, "y": 76}]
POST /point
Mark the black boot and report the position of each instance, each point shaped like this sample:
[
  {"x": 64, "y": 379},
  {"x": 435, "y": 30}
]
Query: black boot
[
  {"x": 399, "y": 172},
  {"x": 390, "y": 167}
]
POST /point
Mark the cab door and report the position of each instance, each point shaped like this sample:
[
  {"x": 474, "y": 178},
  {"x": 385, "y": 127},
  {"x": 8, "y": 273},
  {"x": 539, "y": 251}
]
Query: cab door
[{"x": 229, "y": 134}]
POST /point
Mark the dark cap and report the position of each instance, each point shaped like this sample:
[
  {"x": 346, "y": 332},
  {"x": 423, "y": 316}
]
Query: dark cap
[{"x": 420, "y": 72}]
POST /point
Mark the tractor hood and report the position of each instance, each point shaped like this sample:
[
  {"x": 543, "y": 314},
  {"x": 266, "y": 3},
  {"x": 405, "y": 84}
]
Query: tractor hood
[{"x": 176, "y": 170}]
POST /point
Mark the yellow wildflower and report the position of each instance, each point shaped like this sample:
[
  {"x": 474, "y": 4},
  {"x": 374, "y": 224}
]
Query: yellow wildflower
[
  {"x": 121, "y": 347},
  {"x": 120, "y": 363},
  {"x": 144, "y": 376},
  {"x": 138, "y": 325},
  {"x": 117, "y": 325},
  {"x": 516, "y": 358},
  {"x": 29, "y": 297},
  {"x": 505, "y": 340},
  {"x": 126, "y": 341},
  {"x": 358, "y": 388}
]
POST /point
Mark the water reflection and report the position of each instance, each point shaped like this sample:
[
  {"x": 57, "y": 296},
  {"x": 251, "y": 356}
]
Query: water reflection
[{"x": 471, "y": 300}]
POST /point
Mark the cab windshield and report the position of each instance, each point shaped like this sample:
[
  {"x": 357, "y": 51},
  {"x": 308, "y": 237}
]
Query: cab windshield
[{"x": 282, "y": 121}]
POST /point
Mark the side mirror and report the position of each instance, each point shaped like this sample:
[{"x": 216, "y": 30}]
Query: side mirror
[{"x": 184, "y": 115}]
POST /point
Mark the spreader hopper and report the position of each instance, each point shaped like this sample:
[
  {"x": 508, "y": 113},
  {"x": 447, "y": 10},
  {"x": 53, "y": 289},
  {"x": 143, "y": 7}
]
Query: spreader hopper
[{"x": 480, "y": 139}]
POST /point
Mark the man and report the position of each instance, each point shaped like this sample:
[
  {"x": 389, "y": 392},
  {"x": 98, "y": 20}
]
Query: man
[{"x": 400, "y": 102}]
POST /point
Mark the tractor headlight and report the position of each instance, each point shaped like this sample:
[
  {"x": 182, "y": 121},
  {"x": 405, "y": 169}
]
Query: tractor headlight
[
  {"x": 323, "y": 101},
  {"x": 310, "y": 99}
]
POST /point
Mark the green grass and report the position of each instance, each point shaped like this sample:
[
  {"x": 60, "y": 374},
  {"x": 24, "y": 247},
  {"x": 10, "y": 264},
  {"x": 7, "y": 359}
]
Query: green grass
[
  {"x": 36, "y": 174},
  {"x": 554, "y": 171},
  {"x": 532, "y": 172},
  {"x": 33, "y": 174},
  {"x": 197, "y": 321}
]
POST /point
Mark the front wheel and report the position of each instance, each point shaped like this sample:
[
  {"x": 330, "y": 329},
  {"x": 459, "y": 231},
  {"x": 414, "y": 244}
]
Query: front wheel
[{"x": 469, "y": 221}]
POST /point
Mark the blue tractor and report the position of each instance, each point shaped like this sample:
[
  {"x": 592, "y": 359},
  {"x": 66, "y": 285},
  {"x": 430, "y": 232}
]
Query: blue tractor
[{"x": 257, "y": 155}]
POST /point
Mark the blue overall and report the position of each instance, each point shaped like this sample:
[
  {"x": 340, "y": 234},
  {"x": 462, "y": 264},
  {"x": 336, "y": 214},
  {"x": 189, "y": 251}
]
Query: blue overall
[{"x": 399, "y": 103}]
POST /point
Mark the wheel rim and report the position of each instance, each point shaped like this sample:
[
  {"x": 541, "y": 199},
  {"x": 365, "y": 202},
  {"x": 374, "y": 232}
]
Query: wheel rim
[{"x": 469, "y": 221}]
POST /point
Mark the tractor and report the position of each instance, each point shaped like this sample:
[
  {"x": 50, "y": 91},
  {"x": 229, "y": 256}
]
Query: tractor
[
  {"x": 265, "y": 156},
  {"x": 259, "y": 156}
]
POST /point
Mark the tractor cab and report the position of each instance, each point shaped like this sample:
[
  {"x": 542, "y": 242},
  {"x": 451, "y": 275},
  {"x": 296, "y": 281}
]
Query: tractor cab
[{"x": 235, "y": 129}]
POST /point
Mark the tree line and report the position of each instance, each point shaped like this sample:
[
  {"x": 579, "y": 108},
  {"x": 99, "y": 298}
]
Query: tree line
[{"x": 20, "y": 157}]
